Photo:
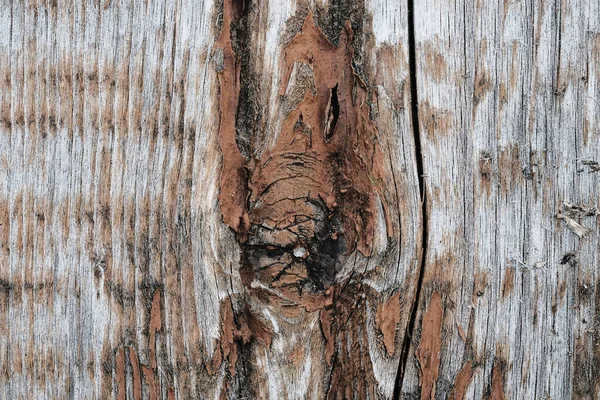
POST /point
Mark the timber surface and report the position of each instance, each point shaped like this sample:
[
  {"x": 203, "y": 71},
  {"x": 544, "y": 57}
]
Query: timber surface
[
  {"x": 120, "y": 279},
  {"x": 509, "y": 131}
]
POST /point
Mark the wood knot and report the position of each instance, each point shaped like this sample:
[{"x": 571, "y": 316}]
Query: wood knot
[{"x": 299, "y": 248}]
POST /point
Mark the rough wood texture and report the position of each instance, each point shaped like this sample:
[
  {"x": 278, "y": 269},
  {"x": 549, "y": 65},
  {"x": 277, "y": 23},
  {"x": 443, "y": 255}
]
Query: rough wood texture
[
  {"x": 220, "y": 199},
  {"x": 119, "y": 275},
  {"x": 508, "y": 114}
]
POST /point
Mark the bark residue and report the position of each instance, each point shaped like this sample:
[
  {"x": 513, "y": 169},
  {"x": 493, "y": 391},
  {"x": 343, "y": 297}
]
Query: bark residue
[
  {"x": 17, "y": 212},
  {"x": 234, "y": 190},
  {"x": 435, "y": 63},
  {"x": 509, "y": 167},
  {"x": 155, "y": 326},
  {"x": 387, "y": 319},
  {"x": 300, "y": 207},
  {"x": 4, "y": 227},
  {"x": 483, "y": 84},
  {"x": 5, "y": 101},
  {"x": 227, "y": 337},
  {"x": 497, "y": 387},
  {"x": 303, "y": 205},
  {"x": 150, "y": 372},
  {"x": 127, "y": 360},
  {"x": 137, "y": 380},
  {"x": 585, "y": 288},
  {"x": 345, "y": 343},
  {"x": 326, "y": 323},
  {"x": 237, "y": 330},
  {"x": 434, "y": 122},
  {"x": 461, "y": 332},
  {"x": 581, "y": 380},
  {"x": 352, "y": 370},
  {"x": 388, "y": 59},
  {"x": 480, "y": 285},
  {"x": 486, "y": 169},
  {"x": 586, "y": 380},
  {"x": 594, "y": 357},
  {"x": 461, "y": 383},
  {"x": 120, "y": 373},
  {"x": 558, "y": 295},
  {"x": 508, "y": 283},
  {"x": 502, "y": 94},
  {"x": 6, "y": 283},
  {"x": 347, "y": 159},
  {"x": 595, "y": 47},
  {"x": 428, "y": 352}
]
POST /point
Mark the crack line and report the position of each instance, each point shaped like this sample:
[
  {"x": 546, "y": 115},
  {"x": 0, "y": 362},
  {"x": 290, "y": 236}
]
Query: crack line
[{"x": 405, "y": 353}]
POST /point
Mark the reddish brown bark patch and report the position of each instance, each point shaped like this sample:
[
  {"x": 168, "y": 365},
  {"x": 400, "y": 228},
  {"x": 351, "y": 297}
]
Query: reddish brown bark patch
[
  {"x": 387, "y": 319},
  {"x": 303, "y": 205},
  {"x": 483, "y": 84},
  {"x": 461, "y": 383},
  {"x": 326, "y": 323},
  {"x": 141, "y": 375},
  {"x": 352, "y": 370},
  {"x": 120, "y": 373},
  {"x": 150, "y": 372},
  {"x": 237, "y": 330},
  {"x": 137, "y": 380},
  {"x": 509, "y": 167},
  {"x": 234, "y": 190},
  {"x": 155, "y": 326},
  {"x": 434, "y": 62},
  {"x": 428, "y": 352},
  {"x": 481, "y": 284},
  {"x": 497, "y": 388},
  {"x": 486, "y": 169}
]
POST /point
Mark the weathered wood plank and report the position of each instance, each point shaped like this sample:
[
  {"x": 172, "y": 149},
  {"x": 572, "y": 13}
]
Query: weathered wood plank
[
  {"x": 119, "y": 274},
  {"x": 508, "y": 125}
]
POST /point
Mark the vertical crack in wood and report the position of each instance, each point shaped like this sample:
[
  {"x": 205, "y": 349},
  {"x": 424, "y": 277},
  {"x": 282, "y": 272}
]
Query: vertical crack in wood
[{"x": 414, "y": 111}]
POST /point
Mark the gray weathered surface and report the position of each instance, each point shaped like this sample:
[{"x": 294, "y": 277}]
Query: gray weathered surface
[{"x": 508, "y": 112}]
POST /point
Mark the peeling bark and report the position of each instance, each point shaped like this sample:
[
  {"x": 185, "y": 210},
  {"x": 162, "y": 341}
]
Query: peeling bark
[
  {"x": 388, "y": 317},
  {"x": 461, "y": 383},
  {"x": 428, "y": 352}
]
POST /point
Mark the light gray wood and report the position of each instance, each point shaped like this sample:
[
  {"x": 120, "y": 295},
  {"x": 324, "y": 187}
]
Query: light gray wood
[
  {"x": 115, "y": 265},
  {"x": 508, "y": 114}
]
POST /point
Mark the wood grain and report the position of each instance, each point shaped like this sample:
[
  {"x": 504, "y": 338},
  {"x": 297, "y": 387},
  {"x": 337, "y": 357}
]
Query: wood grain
[
  {"x": 508, "y": 115},
  {"x": 118, "y": 276},
  {"x": 124, "y": 272}
]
